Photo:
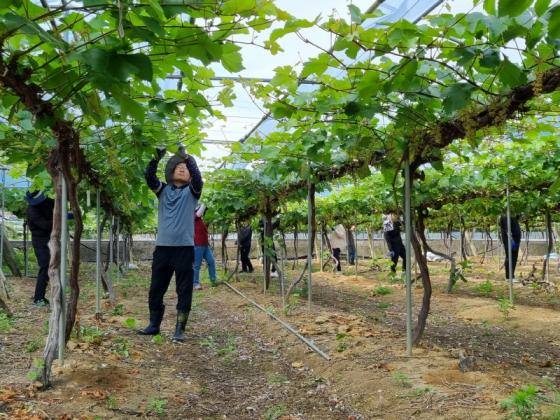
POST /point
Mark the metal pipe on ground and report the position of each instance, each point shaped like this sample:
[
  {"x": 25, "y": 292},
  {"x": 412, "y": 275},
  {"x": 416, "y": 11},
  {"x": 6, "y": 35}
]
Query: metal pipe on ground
[{"x": 307, "y": 342}]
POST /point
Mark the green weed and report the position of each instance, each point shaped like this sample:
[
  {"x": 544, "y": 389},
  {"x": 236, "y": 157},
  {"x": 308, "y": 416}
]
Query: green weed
[
  {"x": 275, "y": 412},
  {"x": 486, "y": 288},
  {"x": 6, "y": 323},
  {"x": 524, "y": 402},
  {"x": 35, "y": 372},
  {"x": 120, "y": 347},
  {"x": 229, "y": 348},
  {"x": 118, "y": 310},
  {"x": 157, "y": 339},
  {"x": 505, "y": 307},
  {"x": 417, "y": 392},
  {"x": 130, "y": 323},
  {"x": 402, "y": 379},
  {"x": 111, "y": 402},
  {"x": 276, "y": 378},
  {"x": 32, "y": 345},
  {"x": 342, "y": 342},
  {"x": 382, "y": 291},
  {"x": 91, "y": 334},
  {"x": 158, "y": 406}
]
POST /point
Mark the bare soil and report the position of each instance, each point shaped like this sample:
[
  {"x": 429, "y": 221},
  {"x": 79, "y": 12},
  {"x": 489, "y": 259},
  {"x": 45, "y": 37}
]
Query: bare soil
[{"x": 239, "y": 364}]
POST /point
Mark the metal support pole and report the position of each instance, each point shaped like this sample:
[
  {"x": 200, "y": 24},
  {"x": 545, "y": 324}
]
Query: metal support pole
[
  {"x": 547, "y": 272},
  {"x": 408, "y": 233},
  {"x": 62, "y": 274},
  {"x": 25, "y": 254},
  {"x": 321, "y": 250},
  {"x": 282, "y": 259},
  {"x": 356, "y": 253},
  {"x": 309, "y": 240},
  {"x": 509, "y": 250},
  {"x": 499, "y": 240},
  {"x": 111, "y": 240},
  {"x": 461, "y": 244},
  {"x": 265, "y": 258},
  {"x": 98, "y": 258},
  {"x": 118, "y": 241},
  {"x": 2, "y": 227}
]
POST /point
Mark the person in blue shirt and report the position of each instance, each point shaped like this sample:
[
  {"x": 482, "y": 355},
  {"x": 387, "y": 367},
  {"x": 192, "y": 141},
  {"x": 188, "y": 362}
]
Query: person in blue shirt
[
  {"x": 174, "y": 253},
  {"x": 515, "y": 241}
]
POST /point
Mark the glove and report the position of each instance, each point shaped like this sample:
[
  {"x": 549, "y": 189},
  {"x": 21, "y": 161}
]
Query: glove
[
  {"x": 160, "y": 152},
  {"x": 391, "y": 254},
  {"x": 181, "y": 151},
  {"x": 514, "y": 245},
  {"x": 200, "y": 210}
]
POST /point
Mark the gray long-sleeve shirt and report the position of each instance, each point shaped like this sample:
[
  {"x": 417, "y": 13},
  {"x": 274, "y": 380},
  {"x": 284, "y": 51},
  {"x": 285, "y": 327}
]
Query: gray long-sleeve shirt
[{"x": 176, "y": 206}]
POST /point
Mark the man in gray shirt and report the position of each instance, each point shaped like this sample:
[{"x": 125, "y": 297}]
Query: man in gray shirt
[{"x": 174, "y": 252}]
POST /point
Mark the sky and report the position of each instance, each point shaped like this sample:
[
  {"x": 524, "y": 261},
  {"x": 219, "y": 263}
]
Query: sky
[{"x": 245, "y": 113}]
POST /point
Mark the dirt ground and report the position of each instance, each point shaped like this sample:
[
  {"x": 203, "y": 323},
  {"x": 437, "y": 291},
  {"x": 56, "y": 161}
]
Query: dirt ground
[{"x": 239, "y": 364}]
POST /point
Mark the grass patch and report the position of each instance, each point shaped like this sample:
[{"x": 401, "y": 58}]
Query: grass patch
[
  {"x": 382, "y": 291},
  {"x": 158, "y": 406},
  {"x": 276, "y": 378},
  {"x": 524, "y": 403},
  {"x": 6, "y": 323},
  {"x": 402, "y": 379},
  {"x": 130, "y": 323},
  {"x": 416, "y": 392},
  {"x": 120, "y": 347},
  {"x": 505, "y": 307},
  {"x": 118, "y": 310},
  {"x": 275, "y": 412},
  {"x": 342, "y": 342},
  {"x": 157, "y": 339},
  {"x": 32, "y": 345},
  {"x": 485, "y": 288}
]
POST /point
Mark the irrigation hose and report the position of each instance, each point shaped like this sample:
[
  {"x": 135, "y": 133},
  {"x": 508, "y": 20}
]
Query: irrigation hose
[{"x": 307, "y": 342}]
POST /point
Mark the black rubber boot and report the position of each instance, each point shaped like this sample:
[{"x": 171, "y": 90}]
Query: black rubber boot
[
  {"x": 155, "y": 322},
  {"x": 182, "y": 318}
]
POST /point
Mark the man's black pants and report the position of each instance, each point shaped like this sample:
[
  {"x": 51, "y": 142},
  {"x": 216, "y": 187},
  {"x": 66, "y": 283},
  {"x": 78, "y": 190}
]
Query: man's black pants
[
  {"x": 245, "y": 260},
  {"x": 336, "y": 255},
  {"x": 399, "y": 250},
  {"x": 41, "y": 248},
  {"x": 514, "y": 255},
  {"x": 169, "y": 260}
]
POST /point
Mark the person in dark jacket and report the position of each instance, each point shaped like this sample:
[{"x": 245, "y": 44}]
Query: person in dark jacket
[
  {"x": 273, "y": 260},
  {"x": 245, "y": 237},
  {"x": 202, "y": 250},
  {"x": 515, "y": 241},
  {"x": 40, "y": 220},
  {"x": 351, "y": 247},
  {"x": 392, "y": 234},
  {"x": 174, "y": 253}
]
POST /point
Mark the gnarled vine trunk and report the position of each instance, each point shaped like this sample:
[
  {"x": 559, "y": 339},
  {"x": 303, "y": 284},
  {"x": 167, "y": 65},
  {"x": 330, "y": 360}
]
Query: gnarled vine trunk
[
  {"x": 421, "y": 227},
  {"x": 427, "y": 287},
  {"x": 51, "y": 346},
  {"x": 312, "y": 239},
  {"x": 4, "y": 296},
  {"x": 9, "y": 255},
  {"x": 296, "y": 254}
]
